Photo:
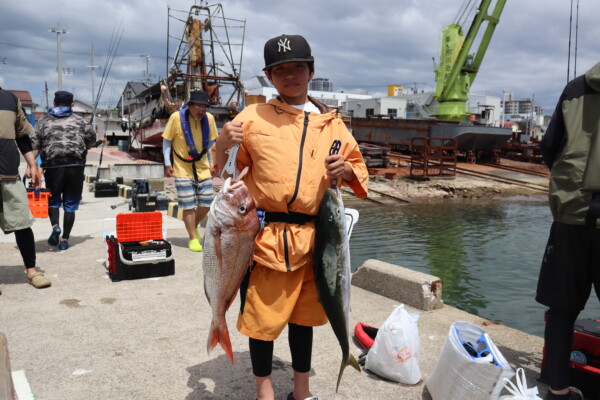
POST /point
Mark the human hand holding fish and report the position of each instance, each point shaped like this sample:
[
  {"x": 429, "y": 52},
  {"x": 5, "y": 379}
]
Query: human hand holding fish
[
  {"x": 335, "y": 166},
  {"x": 231, "y": 134}
]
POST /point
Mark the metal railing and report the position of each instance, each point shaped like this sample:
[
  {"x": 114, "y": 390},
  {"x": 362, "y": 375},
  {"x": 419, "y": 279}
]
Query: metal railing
[{"x": 432, "y": 157}]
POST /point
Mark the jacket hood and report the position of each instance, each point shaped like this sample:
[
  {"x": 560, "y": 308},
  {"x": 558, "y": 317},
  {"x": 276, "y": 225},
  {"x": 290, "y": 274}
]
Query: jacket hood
[{"x": 592, "y": 77}]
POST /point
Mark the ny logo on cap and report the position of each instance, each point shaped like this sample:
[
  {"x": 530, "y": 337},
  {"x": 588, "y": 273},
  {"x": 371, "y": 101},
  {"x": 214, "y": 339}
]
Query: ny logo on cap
[{"x": 284, "y": 45}]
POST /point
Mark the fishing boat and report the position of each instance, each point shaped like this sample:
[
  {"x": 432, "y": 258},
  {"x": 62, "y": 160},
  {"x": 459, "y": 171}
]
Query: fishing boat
[{"x": 204, "y": 52}]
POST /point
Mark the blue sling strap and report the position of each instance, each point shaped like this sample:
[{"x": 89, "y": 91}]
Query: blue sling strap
[{"x": 193, "y": 154}]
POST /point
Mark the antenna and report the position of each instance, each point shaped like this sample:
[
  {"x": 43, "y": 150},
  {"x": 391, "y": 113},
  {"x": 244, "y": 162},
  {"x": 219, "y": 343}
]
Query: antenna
[{"x": 147, "y": 75}]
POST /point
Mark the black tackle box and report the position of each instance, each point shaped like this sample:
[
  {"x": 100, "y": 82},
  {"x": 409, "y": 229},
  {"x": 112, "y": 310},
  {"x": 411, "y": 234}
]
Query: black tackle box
[
  {"x": 106, "y": 188},
  {"x": 145, "y": 259}
]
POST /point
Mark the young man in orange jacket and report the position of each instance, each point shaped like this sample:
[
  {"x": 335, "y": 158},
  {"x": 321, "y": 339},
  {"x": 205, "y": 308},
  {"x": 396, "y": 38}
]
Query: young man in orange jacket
[{"x": 286, "y": 143}]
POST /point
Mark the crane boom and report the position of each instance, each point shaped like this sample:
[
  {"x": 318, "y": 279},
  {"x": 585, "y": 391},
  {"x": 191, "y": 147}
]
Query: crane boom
[{"x": 458, "y": 67}]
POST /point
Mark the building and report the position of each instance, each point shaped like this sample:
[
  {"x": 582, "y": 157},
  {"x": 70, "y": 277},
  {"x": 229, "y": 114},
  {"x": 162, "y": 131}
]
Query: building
[
  {"x": 128, "y": 97},
  {"x": 82, "y": 108},
  {"x": 389, "y": 106},
  {"x": 320, "y": 85},
  {"x": 485, "y": 109},
  {"x": 108, "y": 124},
  {"x": 26, "y": 101},
  {"x": 526, "y": 106},
  {"x": 518, "y": 106},
  {"x": 260, "y": 85}
]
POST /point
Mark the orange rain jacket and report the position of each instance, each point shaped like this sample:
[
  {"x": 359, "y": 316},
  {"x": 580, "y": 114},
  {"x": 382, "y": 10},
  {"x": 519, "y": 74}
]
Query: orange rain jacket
[{"x": 285, "y": 149}]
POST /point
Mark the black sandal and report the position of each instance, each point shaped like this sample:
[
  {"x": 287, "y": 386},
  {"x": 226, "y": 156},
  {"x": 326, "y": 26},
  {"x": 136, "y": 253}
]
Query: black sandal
[{"x": 290, "y": 396}]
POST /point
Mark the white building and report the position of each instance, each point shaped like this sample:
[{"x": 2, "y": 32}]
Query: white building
[
  {"x": 389, "y": 106},
  {"x": 321, "y": 84},
  {"x": 488, "y": 108},
  {"x": 260, "y": 85}
]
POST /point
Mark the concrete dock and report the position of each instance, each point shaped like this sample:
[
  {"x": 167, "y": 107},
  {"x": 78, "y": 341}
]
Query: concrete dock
[{"x": 87, "y": 337}]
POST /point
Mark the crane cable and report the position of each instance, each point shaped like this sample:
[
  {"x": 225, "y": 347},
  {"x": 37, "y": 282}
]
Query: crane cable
[{"x": 461, "y": 11}]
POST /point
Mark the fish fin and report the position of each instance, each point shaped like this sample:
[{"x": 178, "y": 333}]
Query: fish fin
[
  {"x": 219, "y": 334},
  {"x": 350, "y": 361}
]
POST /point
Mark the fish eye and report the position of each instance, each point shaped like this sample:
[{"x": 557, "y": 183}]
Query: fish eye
[{"x": 242, "y": 209}]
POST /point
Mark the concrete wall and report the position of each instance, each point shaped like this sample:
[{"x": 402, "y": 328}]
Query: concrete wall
[
  {"x": 127, "y": 171},
  {"x": 409, "y": 287}
]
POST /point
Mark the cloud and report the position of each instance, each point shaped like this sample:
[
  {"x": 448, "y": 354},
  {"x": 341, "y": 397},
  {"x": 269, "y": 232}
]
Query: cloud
[{"x": 357, "y": 44}]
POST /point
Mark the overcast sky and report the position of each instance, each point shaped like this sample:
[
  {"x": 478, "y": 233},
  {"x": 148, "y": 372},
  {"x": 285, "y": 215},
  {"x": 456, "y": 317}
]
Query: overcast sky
[{"x": 357, "y": 44}]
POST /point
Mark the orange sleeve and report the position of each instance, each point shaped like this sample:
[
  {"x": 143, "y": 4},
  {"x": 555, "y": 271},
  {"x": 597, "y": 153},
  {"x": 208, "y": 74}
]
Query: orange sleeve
[{"x": 352, "y": 155}]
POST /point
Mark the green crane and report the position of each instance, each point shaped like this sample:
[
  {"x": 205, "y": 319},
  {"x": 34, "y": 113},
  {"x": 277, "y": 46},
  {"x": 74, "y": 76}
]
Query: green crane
[{"x": 458, "y": 67}]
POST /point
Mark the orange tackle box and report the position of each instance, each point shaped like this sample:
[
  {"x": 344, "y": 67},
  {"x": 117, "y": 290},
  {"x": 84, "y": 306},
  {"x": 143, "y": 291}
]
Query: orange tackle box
[{"x": 139, "y": 249}]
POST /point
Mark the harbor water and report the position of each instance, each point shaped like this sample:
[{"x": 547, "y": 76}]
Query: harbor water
[{"x": 487, "y": 253}]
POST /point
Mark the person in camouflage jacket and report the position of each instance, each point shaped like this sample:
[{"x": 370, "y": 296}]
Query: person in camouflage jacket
[{"x": 63, "y": 138}]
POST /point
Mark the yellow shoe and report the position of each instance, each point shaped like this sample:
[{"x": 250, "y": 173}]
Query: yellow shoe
[{"x": 194, "y": 245}]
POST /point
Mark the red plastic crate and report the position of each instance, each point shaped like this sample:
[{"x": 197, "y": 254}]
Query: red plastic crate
[
  {"x": 38, "y": 204},
  {"x": 139, "y": 226}
]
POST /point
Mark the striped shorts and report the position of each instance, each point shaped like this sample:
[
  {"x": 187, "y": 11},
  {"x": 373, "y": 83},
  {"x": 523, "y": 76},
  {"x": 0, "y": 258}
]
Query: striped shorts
[{"x": 191, "y": 193}]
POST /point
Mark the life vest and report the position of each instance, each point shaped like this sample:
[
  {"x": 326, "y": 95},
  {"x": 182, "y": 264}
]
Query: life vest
[{"x": 193, "y": 155}]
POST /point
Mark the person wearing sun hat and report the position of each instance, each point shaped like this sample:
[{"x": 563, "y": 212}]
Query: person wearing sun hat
[{"x": 187, "y": 138}]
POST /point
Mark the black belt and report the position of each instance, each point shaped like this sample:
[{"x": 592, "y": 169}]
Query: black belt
[
  {"x": 288, "y": 218},
  {"x": 192, "y": 160}
]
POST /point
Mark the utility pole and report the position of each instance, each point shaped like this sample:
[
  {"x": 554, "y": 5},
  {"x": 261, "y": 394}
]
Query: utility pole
[
  {"x": 59, "y": 31},
  {"x": 93, "y": 67}
]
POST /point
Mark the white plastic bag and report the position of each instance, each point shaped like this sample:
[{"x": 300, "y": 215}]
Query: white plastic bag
[
  {"x": 395, "y": 352},
  {"x": 459, "y": 376},
  {"x": 520, "y": 391}
]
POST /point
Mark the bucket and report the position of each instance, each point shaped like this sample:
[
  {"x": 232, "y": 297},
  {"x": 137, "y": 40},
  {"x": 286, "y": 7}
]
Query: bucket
[{"x": 123, "y": 145}]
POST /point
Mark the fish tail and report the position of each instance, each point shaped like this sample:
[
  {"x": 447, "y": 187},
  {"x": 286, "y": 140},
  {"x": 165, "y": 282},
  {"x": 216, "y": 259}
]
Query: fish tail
[
  {"x": 219, "y": 334},
  {"x": 349, "y": 361}
]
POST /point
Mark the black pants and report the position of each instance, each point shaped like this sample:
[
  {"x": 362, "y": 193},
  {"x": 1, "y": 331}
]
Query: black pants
[
  {"x": 559, "y": 341},
  {"x": 300, "y": 341},
  {"x": 66, "y": 185},
  {"x": 571, "y": 266},
  {"x": 26, "y": 245}
]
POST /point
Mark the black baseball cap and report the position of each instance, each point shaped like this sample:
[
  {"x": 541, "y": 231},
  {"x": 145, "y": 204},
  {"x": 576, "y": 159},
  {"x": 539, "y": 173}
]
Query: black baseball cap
[
  {"x": 63, "y": 97},
  {"x": 286, "y": 48},
  {"x": 199, "y": 97}
]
